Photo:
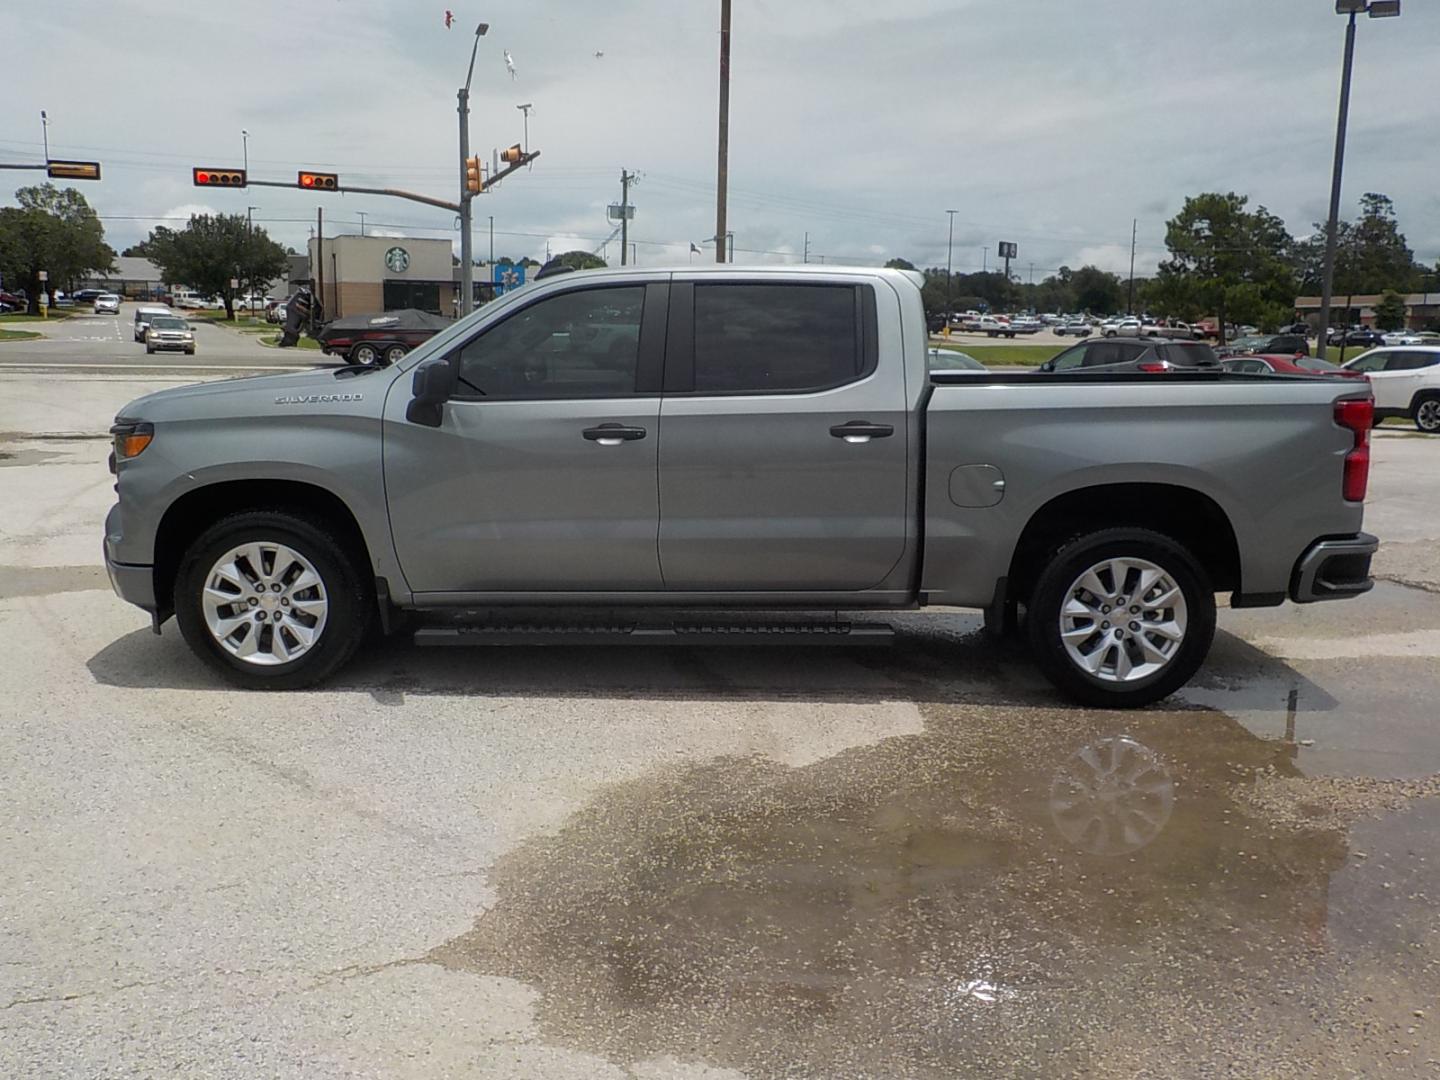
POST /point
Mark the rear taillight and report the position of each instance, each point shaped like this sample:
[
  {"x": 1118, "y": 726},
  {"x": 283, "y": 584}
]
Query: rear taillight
[
  {"x": 1356, "y": 415},
  {"x": 1154, "y": 365}
]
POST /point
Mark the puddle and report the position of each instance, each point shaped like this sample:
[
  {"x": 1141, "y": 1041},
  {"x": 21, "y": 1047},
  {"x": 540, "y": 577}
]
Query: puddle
[{"x": 1016, "y": 891}]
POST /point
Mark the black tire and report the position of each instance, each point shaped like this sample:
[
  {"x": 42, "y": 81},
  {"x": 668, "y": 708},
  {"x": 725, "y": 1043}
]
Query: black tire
[
  {"x": 1427, "y": 415},
  {"x": 394, "y": 354},
  {"x": 1052, "y": 591},
  {"x": 347, "y": 583},
  {"x": 364, "y": 354}
]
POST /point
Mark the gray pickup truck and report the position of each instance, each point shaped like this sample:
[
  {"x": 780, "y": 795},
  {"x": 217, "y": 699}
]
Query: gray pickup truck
[{"x": 730, "y": 455}]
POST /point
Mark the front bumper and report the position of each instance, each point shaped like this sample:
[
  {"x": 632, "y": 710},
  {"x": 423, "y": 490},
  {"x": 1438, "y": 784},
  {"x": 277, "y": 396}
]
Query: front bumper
[
  {"x": 1334, "y": 569},
  {"x": 178, "y": 346}
]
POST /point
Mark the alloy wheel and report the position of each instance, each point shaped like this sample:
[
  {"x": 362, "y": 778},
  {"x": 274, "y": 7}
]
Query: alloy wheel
[
  {"x": 1123, "y": 620},
  {"x": 264, "y": 603}
]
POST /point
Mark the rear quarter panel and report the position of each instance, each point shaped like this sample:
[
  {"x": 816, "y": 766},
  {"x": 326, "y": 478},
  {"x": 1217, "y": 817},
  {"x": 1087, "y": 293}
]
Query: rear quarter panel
[{"x": 1267, "y": 451}]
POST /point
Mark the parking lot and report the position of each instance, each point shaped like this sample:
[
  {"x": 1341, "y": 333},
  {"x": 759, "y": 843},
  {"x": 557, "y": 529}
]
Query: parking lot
[{"x": 700, "y": 863}]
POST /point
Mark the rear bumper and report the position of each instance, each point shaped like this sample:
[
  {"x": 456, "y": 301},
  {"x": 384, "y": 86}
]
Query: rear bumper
[{"x": 1334, "y": 569}]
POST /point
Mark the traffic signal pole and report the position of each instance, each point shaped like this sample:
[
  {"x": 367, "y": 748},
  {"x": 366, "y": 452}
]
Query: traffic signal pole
[{"x": 467, "y": 267}]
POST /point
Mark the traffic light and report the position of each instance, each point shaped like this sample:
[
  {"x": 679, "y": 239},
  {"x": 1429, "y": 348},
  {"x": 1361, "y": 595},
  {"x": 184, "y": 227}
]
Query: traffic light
[
  {"x": 319, "y": 181},
  {"x": 218, "y": 177},
  {"x": 513, "y": 155},
  {"x": 474, "y": 178},
  {"x": 73, "y": 170}
]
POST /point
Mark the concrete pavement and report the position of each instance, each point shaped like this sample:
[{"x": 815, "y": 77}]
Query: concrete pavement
[{"x": 703, "y": 863}]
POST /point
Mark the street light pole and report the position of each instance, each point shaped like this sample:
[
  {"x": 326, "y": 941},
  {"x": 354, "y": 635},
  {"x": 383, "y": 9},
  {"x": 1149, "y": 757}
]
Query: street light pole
[
  {"x": 1376, "y": 9},
  {"x": 722, "y": 171},
  {"x": 949, "y": 271},
  {"x": 467, "y": 269}
]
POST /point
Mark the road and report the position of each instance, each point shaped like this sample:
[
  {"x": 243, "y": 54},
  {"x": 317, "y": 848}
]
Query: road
[
  {"x": 87, "y": 342},
  {"x": 703, "y": 863}
]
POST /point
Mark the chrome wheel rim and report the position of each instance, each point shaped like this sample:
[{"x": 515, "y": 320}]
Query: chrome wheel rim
[
  {"x": 1123, "y": 620},
  {"x": 394, "y": 354},
  {"x": 1113, "y": 797},
  {"x": 1428, "y": 415},
  {"x": 264, "y": 603},
  {"x": 366, "y": 354}
]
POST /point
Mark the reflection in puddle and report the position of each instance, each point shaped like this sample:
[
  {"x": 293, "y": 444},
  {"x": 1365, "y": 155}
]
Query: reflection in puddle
[{"x": 1018, "y": 890}]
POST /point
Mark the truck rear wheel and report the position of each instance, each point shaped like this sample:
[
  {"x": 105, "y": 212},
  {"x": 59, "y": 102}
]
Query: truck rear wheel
[
  {"x": 1121, "y": 618},
  {"x": 272, "y": 601}
]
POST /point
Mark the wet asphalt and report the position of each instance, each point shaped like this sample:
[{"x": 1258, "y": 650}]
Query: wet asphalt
[{"x": 909, "y": 862}]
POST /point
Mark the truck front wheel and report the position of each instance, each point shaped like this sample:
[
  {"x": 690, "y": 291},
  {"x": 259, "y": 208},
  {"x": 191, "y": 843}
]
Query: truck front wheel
[
  {"x": 271, "y": 600},
  {"x": 1121, "y": 618}
]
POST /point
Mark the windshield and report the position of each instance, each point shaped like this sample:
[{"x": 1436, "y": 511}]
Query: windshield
[
  {"x": 162, "y": 322},
  {"x": 1314, "y": 363}
]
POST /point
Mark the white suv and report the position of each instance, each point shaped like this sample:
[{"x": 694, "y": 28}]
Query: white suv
[{"x": 1406, "y": 382}]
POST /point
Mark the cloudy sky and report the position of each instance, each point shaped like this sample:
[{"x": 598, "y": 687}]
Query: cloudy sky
[{"x": 1052, "y": 123}]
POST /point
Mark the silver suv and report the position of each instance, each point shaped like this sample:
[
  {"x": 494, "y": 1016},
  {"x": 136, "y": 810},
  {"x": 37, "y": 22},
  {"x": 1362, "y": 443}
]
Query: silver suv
[
  {"x": 170, "y": 332},
  {"x": 1111, "y": 355},
  {"x": 143, "y": 314}
]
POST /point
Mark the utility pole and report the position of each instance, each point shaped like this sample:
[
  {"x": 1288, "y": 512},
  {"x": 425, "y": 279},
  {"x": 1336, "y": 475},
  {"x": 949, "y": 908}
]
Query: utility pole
[
  {"x": 467, "y": 263},
  {"x": 1130, "y": 303},
  {"x": 319, "y": 265},
  {"x": 45, "y": 132},
  {"x": 492, "y": 239},
  {"x": 1332, "y": 223},
  {"x": 950, "y": 268},
  {"x": 526, "y": 110},
  {"x": 722, "y": 176},
  {"x": 625, "y": 178},
  {"x": 362, "y": 221},
  {"x": 807, "y": 247}
]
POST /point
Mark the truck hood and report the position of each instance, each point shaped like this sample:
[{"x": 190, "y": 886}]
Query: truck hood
[{"x": 327, "y": 388}]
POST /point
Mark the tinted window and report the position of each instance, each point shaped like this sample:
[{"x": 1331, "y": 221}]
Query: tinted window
[
  {"x": 762, "y": 338},
  {"x": 1411, "y": 361},
  {"x": 1103, "y": 353},
  {"x": 582, "y": 344},
  {"x": 1196, "y": 354},
  {"x": 1246, "y": 367},
  {"x": 1314, "y": 363},
  {"x": 161, "y": 322}
]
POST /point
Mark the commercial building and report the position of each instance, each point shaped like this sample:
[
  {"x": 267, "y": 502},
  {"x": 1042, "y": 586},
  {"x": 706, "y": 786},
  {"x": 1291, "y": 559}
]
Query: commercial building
[
  {"x": 359, "y": 274},
  {"x": 1422, "y": 310}
]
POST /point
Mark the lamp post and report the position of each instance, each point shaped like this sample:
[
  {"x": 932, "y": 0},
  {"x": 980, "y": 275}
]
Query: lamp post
[
  {"x": 1376, "y": 9},
  {"x": 949, "y": 273},
  {"x": 467, "y": 269},
  {"x": 245, "y": 141}
]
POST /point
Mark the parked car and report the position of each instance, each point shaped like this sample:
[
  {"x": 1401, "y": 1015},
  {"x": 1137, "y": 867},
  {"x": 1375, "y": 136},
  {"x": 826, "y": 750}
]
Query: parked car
[
  {"x": 1363, "y": 336},
  {"x": 384, "y": 338},
  {"x": 996, "y": 326},
  {"x": 107, "y": 304},
  {"x": 954, "y": 360},
  {"x": 1406, "y": 382},
  {"x": 143, "y": 314},
  {"x": 1403, "y": 337},
  {"x": 13, "y": 301},
  {"x": 169, "y": 332},
  {"x": 1260, "y": 364},
  {"x": 515, "y": 459},
  {"x": 1026, "y": 324},
  {"x": 1111, "y": 356},
  {"x": 1301, "y": 328},
  {"x": 1134, "y": 328},
  {"x": 1073, "y": 328},
  {"x": 1276, "y": 344}
]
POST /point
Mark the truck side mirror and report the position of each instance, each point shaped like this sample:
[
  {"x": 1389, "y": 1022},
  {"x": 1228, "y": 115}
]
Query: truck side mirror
[{"x": 432, "y": 385}]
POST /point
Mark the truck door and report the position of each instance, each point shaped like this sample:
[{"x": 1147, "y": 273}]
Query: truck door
[
  {"x": 783, "y": 449},
  {"x": 542, "y": 474}
]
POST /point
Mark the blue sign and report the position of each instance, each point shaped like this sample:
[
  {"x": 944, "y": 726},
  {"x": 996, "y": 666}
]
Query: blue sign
[{"x": 507, "y": 276}]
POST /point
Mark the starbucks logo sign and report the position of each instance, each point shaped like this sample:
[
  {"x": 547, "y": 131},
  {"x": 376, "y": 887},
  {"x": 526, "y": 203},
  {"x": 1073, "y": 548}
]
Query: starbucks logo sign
[{"x": 397, "y": 260}]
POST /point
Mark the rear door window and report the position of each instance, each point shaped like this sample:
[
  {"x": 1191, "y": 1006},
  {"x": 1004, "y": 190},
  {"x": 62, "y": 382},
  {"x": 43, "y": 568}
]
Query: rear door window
[
  {"x": 1371, "y": 362},
  {"x": 1411, "y": 361},
  {"x": 761, "y": 338}
]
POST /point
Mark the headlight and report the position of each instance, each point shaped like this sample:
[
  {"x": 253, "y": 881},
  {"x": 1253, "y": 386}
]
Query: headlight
[{"x": 131, "y": 437}]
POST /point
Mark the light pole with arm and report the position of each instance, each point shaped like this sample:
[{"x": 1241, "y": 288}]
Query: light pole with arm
[
  {"x": 467, "y": 268},
  {"x": 1376, "y": 9},
  {"x": 949, "y": 272}
]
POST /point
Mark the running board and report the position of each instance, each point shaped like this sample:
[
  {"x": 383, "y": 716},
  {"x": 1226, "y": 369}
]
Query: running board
[{"x": 779, "y": 633}]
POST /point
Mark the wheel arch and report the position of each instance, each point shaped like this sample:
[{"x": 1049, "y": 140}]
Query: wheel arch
[
  {"x": 1190, "y": 517},
  {"x": 196, "y": 510}
]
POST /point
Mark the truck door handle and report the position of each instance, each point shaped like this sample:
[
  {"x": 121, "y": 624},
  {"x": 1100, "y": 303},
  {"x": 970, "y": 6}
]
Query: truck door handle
[
  {"x": 613, "y": 434},
  {"x": 861, "y": 431}
]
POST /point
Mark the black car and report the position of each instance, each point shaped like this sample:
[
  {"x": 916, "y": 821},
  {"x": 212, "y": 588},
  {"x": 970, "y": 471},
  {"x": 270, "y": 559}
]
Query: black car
[
  {"x": 87, "y": 296},
  {"x": 1271, "y": 344},
  {"x": 1357, "y": 335},
  {"x": 1107, "y": 355}
]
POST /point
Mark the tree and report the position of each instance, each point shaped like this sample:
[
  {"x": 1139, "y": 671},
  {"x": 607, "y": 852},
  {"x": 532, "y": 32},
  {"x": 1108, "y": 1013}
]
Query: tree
[
  {"x": 211, "y": 251},
  {"x": 900, "y": 264},
  {"x": 1371, "y": 253},
  {"x": 1390, "y": 311},
  {"x": 579, "y": 260},
  {"x": 55, "y": 230},
  {"x": 1230, "y": 260},
  {"x": 1097, "y": 291}
]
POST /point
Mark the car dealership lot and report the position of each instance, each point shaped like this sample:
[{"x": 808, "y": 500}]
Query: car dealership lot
[{"x": 516, "y": 862}]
